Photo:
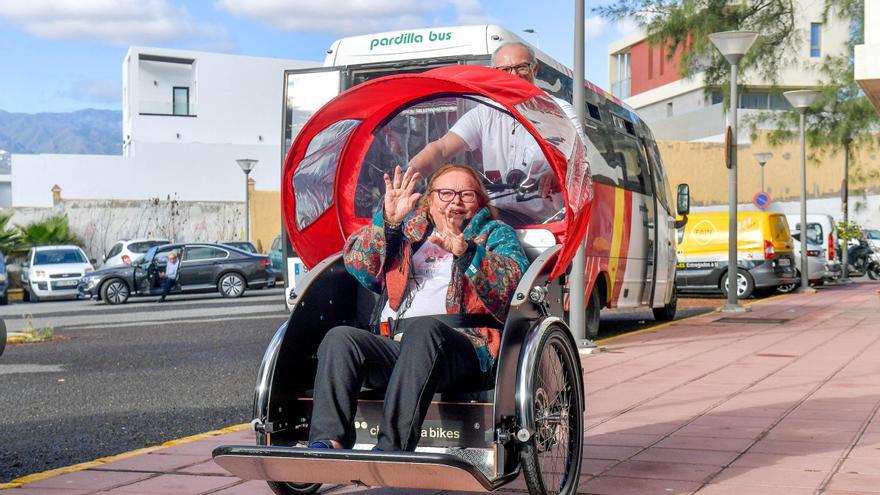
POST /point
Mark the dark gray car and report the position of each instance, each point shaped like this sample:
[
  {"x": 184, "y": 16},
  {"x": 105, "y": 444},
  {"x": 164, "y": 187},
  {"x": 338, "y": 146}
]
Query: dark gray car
[{"x": 203, "y": 268}]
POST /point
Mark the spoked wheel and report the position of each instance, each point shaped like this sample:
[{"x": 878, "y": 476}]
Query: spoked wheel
[
  {"x": 552, "y": 456},
  {"x": 286, "y": 487},
  {"x": 231, "y": 285}
]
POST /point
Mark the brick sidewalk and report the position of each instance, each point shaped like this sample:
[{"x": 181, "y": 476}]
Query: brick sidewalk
[{"x": 699, "y": 406}]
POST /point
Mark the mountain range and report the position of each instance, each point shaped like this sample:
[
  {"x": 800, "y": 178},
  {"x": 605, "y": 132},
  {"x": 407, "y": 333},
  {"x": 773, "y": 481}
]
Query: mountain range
[{"x": 89, "y": 131}]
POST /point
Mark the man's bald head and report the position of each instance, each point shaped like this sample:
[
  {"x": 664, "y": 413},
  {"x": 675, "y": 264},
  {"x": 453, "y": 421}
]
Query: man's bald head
[{"x": 516, "y": 58}]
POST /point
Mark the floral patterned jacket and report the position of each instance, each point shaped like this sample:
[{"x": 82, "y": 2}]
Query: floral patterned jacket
[{"x": 483, "y": 278}]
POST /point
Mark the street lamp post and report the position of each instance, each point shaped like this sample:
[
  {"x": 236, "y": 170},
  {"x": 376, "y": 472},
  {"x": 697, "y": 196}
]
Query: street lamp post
[
  {"x": 801, "y": 101},
  {"x": 247, "y": 164},
  {"x": 733, "y": 45},
  {"x": 763, "y": 158}
]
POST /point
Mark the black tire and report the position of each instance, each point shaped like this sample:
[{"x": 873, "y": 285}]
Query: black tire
[
  {"x": 873, "y": 271},
  {"x": 287, "y": 488},
  {"x": 231, "y": 285},
  {"x": 2, "y": 336},
  {"x": 115, "y": 291},
  {"x": 31, "y": 297},
  {"x": 4, "y": 300},
  {"x": 789, "y": 288},
  {"x": 667, "y": 312},
  {"x": 594, "y": 307},
  {"x": 558, "y": 428},
  {"x": 745, "y": 284}
]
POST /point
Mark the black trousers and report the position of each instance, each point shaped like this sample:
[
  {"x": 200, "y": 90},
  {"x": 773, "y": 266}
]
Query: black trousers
[
  {"x": 167, "y": 284},
  {"x": 430, "y": 357}
]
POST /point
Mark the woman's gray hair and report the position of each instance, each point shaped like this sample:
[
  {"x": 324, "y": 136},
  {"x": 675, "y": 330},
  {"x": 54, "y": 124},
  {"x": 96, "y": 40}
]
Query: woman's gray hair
[{"x": 531, "y": 51}]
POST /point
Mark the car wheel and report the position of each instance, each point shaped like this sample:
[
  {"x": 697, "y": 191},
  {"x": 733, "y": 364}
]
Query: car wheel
[
  {"x": 231, "y": 285},
  {"x": 31, "y": 297},
  {"x": 745, "y": 284},
  {"x": 115, "y": 291},
  {"x": 789, "y": 288},
  {"x": 4, "y": 300}
]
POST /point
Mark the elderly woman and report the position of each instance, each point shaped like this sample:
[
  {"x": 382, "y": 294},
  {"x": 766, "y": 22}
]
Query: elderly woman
[{"x": 446, "y": 269}]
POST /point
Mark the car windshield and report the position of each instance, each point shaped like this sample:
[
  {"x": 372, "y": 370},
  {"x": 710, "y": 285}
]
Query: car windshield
[{"x": 59, "y": 256}]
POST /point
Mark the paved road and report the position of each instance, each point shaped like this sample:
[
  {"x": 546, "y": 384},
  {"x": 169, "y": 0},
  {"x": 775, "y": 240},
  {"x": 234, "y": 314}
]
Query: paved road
[
  {"x": 125, "y": 377},
  {"x": 118, "y": 378}
]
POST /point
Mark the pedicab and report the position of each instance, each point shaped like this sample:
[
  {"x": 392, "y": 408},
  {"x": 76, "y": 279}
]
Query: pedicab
[{"x": 531, "y": 422}]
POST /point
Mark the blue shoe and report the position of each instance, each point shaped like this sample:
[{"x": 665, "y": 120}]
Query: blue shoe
[{"x": 320, "y": 445}]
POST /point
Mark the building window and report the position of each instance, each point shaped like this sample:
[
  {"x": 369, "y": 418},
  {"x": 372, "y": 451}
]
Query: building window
[
  {"x": 620, "y": 88},
  {"x": 669, "y": 109},
  {"x": 816, "y": 39},
  {"x": 181, "y": 101}
]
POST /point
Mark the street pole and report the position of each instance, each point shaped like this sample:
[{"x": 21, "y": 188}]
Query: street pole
[
  {"x": 247, "y": 165},
  {"x": 801, "y": 101},
  {"x": 732, "y": 265},
  {"x": 845, "y": 204},
  {"x": 577, "y": 283},
  {"x": 763, "y": 158},
  {"x": 805, "y": 277},
  {"x": 247, "y": 206},
  {"x": 733, "y": 45}
]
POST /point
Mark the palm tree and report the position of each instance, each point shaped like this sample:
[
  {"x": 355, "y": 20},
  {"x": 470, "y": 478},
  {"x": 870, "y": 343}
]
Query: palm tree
[
  {"x": 50, "y": 230},
  {"x": 8, "y": 235}
]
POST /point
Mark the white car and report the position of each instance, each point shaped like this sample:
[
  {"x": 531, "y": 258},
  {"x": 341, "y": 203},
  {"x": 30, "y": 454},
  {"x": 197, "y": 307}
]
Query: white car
[
  {"x": 128, "y": 250},
  {"x": 873, "y": 237},
  {"x": 53, "y": 272}
]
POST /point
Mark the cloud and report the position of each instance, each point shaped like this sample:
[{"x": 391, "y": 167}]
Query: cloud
[
  {"x": 348, "y": 17},
  {"x": 98, "y": 91},
  {"x": 626, "y": 26},
  {"x": 119, "y": 22},
  {"x": 594, "y": 27}
]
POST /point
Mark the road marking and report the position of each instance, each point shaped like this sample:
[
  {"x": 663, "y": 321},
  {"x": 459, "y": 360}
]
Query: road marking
[
  {"x": 10, "y": 369},
  {"x": 18, "y": 482}
]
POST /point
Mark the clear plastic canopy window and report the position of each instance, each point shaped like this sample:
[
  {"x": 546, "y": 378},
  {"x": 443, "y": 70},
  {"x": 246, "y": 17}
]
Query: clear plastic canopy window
[{"x": 502, "y": 151}]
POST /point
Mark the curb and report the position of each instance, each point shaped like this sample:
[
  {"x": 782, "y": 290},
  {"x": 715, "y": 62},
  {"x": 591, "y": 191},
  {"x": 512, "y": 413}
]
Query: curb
[
  {"x": 19, "y": 482},
  {"x": 15, "y": 338}
]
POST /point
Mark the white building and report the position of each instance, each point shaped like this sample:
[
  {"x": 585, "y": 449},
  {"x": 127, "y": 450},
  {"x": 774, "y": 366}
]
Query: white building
[
  {"x": 685, "y": 109},
  {"x": 867, "y": 56},
  {"x": 5, "y": 179},
  {"x": 187, "y": 116}
]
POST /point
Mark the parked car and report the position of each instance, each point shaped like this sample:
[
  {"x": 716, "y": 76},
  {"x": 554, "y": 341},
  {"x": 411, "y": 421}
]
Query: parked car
[
  {"x": 816, "y": 265},
  {"x": 822, "y": 241},
  {"x": 764, "y": 253},
  {"x": 53, "y": 272},
  {"x": 873, "y": 237},
  {"x": 126, "y": 250},
  {"x": 4, "y": 281},
  {"x": 243, "y": 245},
  {"x": 203, "y": 268}
]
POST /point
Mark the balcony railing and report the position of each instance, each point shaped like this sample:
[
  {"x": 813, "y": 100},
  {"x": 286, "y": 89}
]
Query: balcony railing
[{"x": 154, "y": 107}]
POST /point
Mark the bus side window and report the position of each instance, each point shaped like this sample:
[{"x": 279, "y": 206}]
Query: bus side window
[
  {"x": 629, "y": 151},
  {"x": 660, "y": 181}
]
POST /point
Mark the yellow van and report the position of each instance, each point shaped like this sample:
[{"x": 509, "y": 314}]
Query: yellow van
[{"x": 765, "y": 253}]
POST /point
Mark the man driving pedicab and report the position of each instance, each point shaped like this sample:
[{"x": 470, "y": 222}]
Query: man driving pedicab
[{"x": 446, "y": 269}]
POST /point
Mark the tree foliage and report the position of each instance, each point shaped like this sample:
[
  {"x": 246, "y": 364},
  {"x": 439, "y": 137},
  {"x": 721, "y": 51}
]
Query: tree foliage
[
  {"x": 686, "y": 25},
  {"x": 50, "y": 230},
  {"x": 9, "y": 235}
]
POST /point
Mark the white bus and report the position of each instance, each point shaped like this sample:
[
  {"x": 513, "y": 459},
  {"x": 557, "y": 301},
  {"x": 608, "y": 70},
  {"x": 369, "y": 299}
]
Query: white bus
[{"x": 630, "y": 249}]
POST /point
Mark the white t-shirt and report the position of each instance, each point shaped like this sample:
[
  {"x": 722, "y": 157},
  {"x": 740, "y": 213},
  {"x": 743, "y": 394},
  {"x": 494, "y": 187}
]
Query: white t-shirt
[
  {"x": 506, "y": 146},
  {"x": 432, "y": 272}
]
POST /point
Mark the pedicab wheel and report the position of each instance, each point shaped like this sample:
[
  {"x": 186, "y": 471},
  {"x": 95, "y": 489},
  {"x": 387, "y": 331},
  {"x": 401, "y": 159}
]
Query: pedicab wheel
[
  {"x": 286, "y": 487},
  {"x": 551, "y": 458}
]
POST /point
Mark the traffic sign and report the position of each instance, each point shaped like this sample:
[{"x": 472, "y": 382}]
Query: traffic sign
[{"x": 761, "y": 200}]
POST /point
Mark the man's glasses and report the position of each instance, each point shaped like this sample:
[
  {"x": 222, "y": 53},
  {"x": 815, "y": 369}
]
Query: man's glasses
[
  {"x": 521, "y": 69},
  {"x": 447, "y": 195}
]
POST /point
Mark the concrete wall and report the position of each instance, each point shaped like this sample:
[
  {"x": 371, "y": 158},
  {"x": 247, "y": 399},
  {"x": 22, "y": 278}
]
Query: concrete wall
[
  {"x": 265, "y": 210},
  {"x": 100, "y": 223},
  {"x": 702, "y": 166}
]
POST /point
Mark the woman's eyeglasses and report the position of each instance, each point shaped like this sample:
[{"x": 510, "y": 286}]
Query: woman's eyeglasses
[
  {"x": 521, "y": 69},
  {"x": 447, "y": 195}
]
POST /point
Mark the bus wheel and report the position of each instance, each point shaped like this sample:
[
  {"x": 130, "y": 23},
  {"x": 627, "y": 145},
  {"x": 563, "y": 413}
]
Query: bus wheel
[
  {"x": 594, "y": 306},
  {"x": 667, "y": 312}
]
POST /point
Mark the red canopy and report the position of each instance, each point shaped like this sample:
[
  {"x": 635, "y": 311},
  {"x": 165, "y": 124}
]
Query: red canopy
[{"x": 375, "y": 101}]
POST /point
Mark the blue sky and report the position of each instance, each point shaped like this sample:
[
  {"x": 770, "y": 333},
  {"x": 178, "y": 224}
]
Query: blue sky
[{"x": 64, "y": 55}]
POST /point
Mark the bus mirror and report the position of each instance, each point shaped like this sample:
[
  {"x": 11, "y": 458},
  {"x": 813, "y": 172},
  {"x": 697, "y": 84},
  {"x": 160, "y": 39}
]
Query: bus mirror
[{"x": 684, "y": 199}]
